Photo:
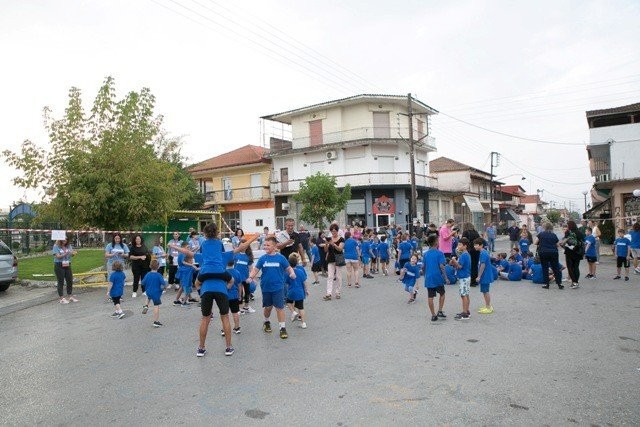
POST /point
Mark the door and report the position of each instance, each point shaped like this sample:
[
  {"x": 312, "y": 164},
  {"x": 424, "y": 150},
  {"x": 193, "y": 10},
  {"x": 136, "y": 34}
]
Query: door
[
  {"x": 382, "y": 220},
  {"x": 256, "y": 187},
  {"x": 284, "y": 179},
  {"x": 381, "y": 125}
]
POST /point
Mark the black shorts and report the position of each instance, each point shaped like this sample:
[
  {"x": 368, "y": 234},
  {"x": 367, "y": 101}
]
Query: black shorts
[
  {"x": 116, "y": 300},
  {"x": 622, "y": 261},
  {"x": 591, "y": 259},
  {"x": 234, "y": 306},
  {"x": 316, "y": 267},
  {"x": 431, "y": 292},
  {"x": 225, "y": 276},
  {"x": 206, "y": 303},
  {"x": 297, "y": 304}
]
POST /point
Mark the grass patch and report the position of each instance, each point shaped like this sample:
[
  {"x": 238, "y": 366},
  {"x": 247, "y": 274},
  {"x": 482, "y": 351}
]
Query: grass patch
[{"x": 87, "y": 259}]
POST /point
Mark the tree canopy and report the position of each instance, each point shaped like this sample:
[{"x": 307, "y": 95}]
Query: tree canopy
[
  {"x": 321, "y": 199},
  {"x": 553, "y": 216},
  {"x": 112, "y": 167}
]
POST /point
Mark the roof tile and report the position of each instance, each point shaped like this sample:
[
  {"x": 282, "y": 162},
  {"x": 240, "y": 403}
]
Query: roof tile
[{"x": 247, "y": 155}]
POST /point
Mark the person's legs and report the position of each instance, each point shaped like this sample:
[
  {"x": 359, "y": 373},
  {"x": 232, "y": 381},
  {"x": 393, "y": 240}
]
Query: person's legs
[
  {"x": 338, "y": 272},
  {"x": 59, "y": 271},
  {"x": 226, "y": 328},
  {"x": 545, "y": 263},
  {"x": 68, "y": 277},
  {"x": 156, "y": 313},
  {"x": 465, "y": 304},
  {"x": 555, "y": 267},
  {"x": 441, "y": 302},
  {"x": 487, "y": 299},
  {"x": 331, "y": 271},
  {"x": 136, "y": 277},
  {"x": 204, "y": 328},
  {"x": 350, "y": 280},
  {"x": 431, "y": 307}
]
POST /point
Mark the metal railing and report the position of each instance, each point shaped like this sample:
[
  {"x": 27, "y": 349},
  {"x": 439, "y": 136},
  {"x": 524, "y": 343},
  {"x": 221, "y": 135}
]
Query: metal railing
[
  {"x": 370, "y": 133},
  {"x": 360, "y": 180},
  {"x": 238, "y": 194}
]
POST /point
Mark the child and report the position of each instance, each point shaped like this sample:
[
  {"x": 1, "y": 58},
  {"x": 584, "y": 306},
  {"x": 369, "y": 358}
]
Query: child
[
  {"x": 154, "y": 284},
  {"x": 622, "y": 253},
  {"x": 233, "y": 294},
  {"x": 273, "y": 266},
  {"x": 526, "y": 265},
  {"x": 375, "y": 245},
  {"x": 502, "y": 264},
  {"x": 297, "y": 291},
  {"x": 515, "y": 270},
  {"x": 485, "y": 276},
  {"x": 366, "y": 256},
  {"x": 115, "y": 288},
  {"x": 316, "y": 261},
  {"x": 408, "y": 275},
  {"x": 242, "y": 262},
  {"x": 463, "y": 266},
  {"x": 523, "y": 244},
  {"x": 450, "y": 271},
  {"x": 515, "y": 253},
  {"x": 536, "y": 275},
  {"x": 186, "y": 269},
  {"x": 383, "y": 254},
  {"x": 434, "y": 276},
  {"x": 590, "y": 252}
]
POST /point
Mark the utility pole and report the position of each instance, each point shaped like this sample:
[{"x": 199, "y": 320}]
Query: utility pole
[
  {"x": 493, "y": 164},
  {"x": 413, "y": 208}
]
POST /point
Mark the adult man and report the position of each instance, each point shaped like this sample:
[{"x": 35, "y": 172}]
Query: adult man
[
  {"x": 172, "y": 246},
  {"x": 305, "y": 237},
  {"x": 490, "y": 236},
  {"x": 514, "y": 236},
  {"x": 445, "y": 236},
  {"x": 289, "y": 241}
]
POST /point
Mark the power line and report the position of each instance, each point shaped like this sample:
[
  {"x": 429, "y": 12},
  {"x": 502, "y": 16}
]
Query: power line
[{"x": 545, "y": 179}]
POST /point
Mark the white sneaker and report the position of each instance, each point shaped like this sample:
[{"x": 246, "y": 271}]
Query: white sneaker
[
  {"x": 294, "y": 316},
  {"x": 73, "y": 299},
  {"x": 249, "y": 309},
  {"x": 64, "y": 301},
  {"x": 303, "y": 325},
  {"x": 133, "y": 295}
]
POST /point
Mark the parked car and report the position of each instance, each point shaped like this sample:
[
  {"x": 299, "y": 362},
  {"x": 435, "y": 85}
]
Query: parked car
[{"x": 8, "y": 267}]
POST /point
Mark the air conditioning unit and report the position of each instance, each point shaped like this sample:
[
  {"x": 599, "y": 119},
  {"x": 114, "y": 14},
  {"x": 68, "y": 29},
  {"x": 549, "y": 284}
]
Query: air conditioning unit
[
  {"x": 603, "y": 177},
  {"x": 285, "y": 206},
  {"x": 332, "y": 155}
]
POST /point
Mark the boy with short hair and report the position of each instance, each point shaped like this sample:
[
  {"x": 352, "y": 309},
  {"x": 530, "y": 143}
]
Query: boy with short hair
[
  {"x": 485, "y": 276},
  {"x": 154, "y": 284},
  {"x": 383, "y": 254},
  {"x": 273, "y": 266},
  {"x": 524, "y": 243},
  {"x": 297, "y": 291},
  {"x": 463, "y": 267},
  {"x": 409, "y": 274},
  {"x": 622, "y": 253},
  {"x": 435, "y": 276},
  {"x": 590, "y": 253},
  {"x": 115, "y": 289}
]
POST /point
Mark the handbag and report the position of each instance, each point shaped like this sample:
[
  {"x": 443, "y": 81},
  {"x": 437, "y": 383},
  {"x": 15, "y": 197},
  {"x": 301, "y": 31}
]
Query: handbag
[{"x": 340, "y": 261}]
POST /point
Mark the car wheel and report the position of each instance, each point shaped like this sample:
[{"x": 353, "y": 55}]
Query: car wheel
[{"x": 4, "y": 286}]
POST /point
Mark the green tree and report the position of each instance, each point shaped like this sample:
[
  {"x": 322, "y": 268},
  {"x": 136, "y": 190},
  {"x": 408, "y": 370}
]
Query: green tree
[
  {"x": 112, "y": 167},
  {"x": 320, "y": 199},
  {"x": 553, "y": 216}
]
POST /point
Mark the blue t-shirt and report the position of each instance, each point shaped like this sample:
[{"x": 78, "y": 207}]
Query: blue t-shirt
[
  {"x": 383, "y": 251},
  {"x": 524, "y": 245},
  {"x": 350, "y": 249},
  {"x": 487, "y": 275},
  {"x": 232, "y": 292},
  {"x": 315, "y": 254},
  {"x": 503, "y": 265},
  {"x": 465, "y": 265},
  {"x": 515, "y": 272},
  {"x": 374, "y": 249},
  {"x": 117, "y": 284},
  {"x": 366, "y": 247},
  {"x": 153, "y": 283},
  {"x": 159, "y": 252},
  {"x": 536, "y": 273},
  {"x": 591, "y": 250},
  {"x": 411, "y": 275},
  {"x": 295, "y": 290},
  {"x": 622, "y": 246},
  {"x": 635, "y": 239},
  {"x": 405, "y": 249},
  {"x": 59, "y": 250},
  {"x": 414, "y": 243},
  {"x": 491, "y": 232},
  {"x": 451, "y": 274},
  {"x": 432, "y": 260},
  {"x": 118, "y": 250},
  {"x": 273, "y": 272},
  {"x": 214, "y": 257},
  {"x": 242, "y": 263}
]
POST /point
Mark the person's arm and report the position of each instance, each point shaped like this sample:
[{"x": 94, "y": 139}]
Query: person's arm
[
  {"x": 443, "y": 270},
  {"x": 253, "y": 274},
  {"x": 244, "y": 245},
  {"x": 304, "y": 286},
  {"x": 292, "y": 274},
  {"x": 109, "y": 285},
  {"x": 303, "y": 254}
]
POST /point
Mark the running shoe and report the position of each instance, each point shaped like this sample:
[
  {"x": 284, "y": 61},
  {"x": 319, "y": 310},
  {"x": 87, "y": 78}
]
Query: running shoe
[
  {"x": 545, "y": 286},
  {"x": 575, "y": 285},
  {"x": 249, "y": 309},
  {"x": 134, "y": 295},
  {"x": 462, "y": 316},
  {"x": 121, "y": 315},
  {"x": 64, "y": 301},
  {"x": 229, "y": 351},
  {"x": 441, "y": 314},
  {"x": 266, "y": 326},
  {"x": 201, "y": 352},
  {"x": 486, "y": 310},
  {"x": 222, "y": 333},
  {"x": 177, "y": 303},
  {"x": 626, "y": 278},
  {"x": 303, "y": 325},
  {"x": 294, "y": 316},
  {"x": 114, "y": 314},
  {"x": 157, "y": 324},
  {"x": 72, "y": 299},
  {"x": 617, "y": 278},
  {"x": 237, "y": 330},
  {"x": 145, "y": 308},
  {"x": 434, "y": 318},
  {"x": 283, "y": 333}
]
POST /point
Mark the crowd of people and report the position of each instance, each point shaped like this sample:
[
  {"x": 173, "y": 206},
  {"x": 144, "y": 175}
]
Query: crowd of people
[{"x": 203, "y": 271}]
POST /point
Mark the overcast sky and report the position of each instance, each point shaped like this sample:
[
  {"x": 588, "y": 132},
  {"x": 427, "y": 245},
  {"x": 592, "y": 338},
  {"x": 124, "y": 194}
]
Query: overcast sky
[{"x": 526, "y": 69}]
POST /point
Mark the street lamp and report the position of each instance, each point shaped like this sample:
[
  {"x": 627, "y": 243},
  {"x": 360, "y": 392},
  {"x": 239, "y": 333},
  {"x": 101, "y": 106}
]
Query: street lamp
[{"x": 584, "y": 193}]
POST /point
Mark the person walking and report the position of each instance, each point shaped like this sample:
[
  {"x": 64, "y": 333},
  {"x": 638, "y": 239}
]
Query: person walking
[
  {"x": 548, "y": 251},
  {"x": 333, "y": 246},
  {"x": 573, "y": 244},
  {"x": 140, "y": 259},
  {"x": 62, "y": 253}
]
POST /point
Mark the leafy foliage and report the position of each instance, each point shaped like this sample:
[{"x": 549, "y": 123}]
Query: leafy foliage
[
  {"x": 321, "y": 199},
  {"x": 113, "y": 167},
  {"x": 553, "y": 216}
]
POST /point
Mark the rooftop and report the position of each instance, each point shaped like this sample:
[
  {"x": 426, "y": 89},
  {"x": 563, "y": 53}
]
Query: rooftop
[
  {"x": 631, "y": 108},
  {"x": 247, "y": 155},
  {"x": 445, "y": 164}
]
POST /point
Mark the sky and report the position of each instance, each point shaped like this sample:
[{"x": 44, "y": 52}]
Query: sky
[{"x": 502, "y": 74}]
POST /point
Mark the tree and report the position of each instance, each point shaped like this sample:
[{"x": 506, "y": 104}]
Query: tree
[
  {"x": 321, "y": 199},
  {"x": 113, "y": 167},
  {"x": 553, "y": 216}
]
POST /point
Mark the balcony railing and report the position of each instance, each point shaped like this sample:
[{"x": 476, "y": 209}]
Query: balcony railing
[
  {"x": 237, "y": 195},
  {"x": 360, "y": 180},
  {"x": 370, "y": 133}
]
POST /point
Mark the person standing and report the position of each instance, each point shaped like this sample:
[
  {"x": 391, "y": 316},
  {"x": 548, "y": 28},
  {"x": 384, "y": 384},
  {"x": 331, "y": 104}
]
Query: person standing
[
  {"x": 573, "y": 244},
  {"x": 548, "y": 251},
  {"x": 172, "y": 247},
  {"x": 595, "y": 230},
  {"x": 490, "y": 236},
  {"x": 289, "y": 241},
  {"x": 514, "y": 236},
  {"x": 445, "y": 238},
  {"x": 470, "y": 233},
  {"x": 117, "y": 250},
  {"x": 635, "y": 246},
  {"x": 305, "y": 238},
  {"x": 139, "y": 256},
  {"x": 62, "y": 253},
  {"x": 333, "y": 245},
  {"x": 161, "y": 256},
  {"x": 237, "y": 237}
]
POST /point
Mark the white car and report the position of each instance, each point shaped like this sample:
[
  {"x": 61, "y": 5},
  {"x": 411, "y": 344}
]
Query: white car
[{"x": 8, "y": 267}]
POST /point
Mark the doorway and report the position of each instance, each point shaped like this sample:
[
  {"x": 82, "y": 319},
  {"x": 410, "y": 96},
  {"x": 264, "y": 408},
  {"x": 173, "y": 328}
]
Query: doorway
[{"x": 382, "y": 220}]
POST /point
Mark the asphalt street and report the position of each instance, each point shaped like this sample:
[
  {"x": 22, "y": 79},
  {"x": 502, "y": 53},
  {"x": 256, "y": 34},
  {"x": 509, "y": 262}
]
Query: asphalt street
[{"x": 544, "y": 357}]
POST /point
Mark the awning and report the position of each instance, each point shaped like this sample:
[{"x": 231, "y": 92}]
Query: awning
[
  {"x": 473, "y": 203},
  {"x": 599, "y": 211},
  {"x": 508, "y": 215}
]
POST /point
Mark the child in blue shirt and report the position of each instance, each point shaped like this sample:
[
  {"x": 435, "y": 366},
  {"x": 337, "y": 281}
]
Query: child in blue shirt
[
  {"x": 366, "y": 257},
  {"x": 154, "y": 284},
  {"x": 435, "y": 276},
  {"x": 622, "y": 253},
  {"x": 450, "y": 271},
  {"x": 297, "y": 291},
  {"x": 485, "y": 275},
  {"x": 242, "y": 263},
  {"x": 515, "y": 271},
  {"x": 316, "y": 262},
  {"x": 234, "y": 289},
  {"x": 463, "y": 267},
  {"x": 515, "y": 253},
  {"x": 523, "y": 243},
  {"x": 408, "y": 275},
  {"x": 383, "y": 254},
  {"x": 590, "y": 252},
  {"x": 115, "y": 288},
  {"x": 536, "y": 275},
  {"x": 375, "y": 243}
]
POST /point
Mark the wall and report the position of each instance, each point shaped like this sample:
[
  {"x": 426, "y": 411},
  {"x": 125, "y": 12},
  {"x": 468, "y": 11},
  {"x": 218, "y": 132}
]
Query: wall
[
  {"x": 625, "y": 160},
  {"x": 241, "y": 176},
  {"x": 248, "y": 219},
  {"x": 454, "y": 181},
  {"x": 616, "y": 133}
]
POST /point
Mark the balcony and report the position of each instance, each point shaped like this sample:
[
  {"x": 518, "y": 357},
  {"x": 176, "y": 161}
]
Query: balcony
[
  {"x": 238, "y": 195},
  {"x": 360, "y": 180},
  {"x": 421, "y": 140}
]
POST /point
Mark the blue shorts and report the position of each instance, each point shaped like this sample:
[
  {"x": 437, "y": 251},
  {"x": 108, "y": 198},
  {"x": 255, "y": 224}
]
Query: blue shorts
[
  {"x": 484, "y": 287},
  {"x": 383, "y": 259},
  {"x": 408, "y": 288},
  {"x": 275, "y": 299},
  {"x": 155, "y": 298},
  {"x": 366, "y": 260}
]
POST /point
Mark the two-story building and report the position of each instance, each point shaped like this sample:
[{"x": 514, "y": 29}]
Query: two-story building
[
  {"x": 510, "y": 207},
  {"x": 236, "y": 184},
  {"x": 362, "y": 140},
  {"x": 614, "y": 144}
]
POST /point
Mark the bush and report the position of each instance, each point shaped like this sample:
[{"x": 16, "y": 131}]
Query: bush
[
  {"x": 15, "y": 246},
  {"x": 607, "y": 232}
]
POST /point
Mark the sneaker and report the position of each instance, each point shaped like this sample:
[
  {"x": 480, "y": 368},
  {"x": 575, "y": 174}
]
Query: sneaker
[
  {"x": 157, "y": 324},
  {"x": 283, "y": 333},
  {"x": 229, "y": 351},
  {"x": 134, "y": 295},
  {"x": 636, "y": 270},
  {"x": 592, "y": 278},
  {"x": 201, "y": 352},
  {"x": 434, "y": 318},
  {"x": 115, "y": 314},
  {"x": 626, "y": 278},
  {"x": 249, "y": 309},
  {"x": 72, "y": 299},
  {"x": 251, "y": 297},
  {"x": 64, "y": 301},
  {"x": 411, "y": 300},
  {"x": 462, "y": 316},
  {"x": 222, "y": 334},
  {"x": 545, "y": 286},
  {"x": 485, "y": 310},
  {"x": 588, "y": 276},
  {"x": 616, "y": 278},
  {"x": 441, "y": 314},
  {"x": 294, "y": 316},
  {"x": 266, "y": 326},
  {"x": 145, "y": 308},
  {"x": 193, "y": 300},
  {"x": 575, "y": 285},
  {"x": 326, "y": 298},
  {"x": 303, "y": 325},
  {"x": 237, "y": 330},
  {"x": 560, "y": 287},
  {"x": 185, "y": 305},
  {"x": 177, "y": 303},
  {"x": 121, "y": 315}
]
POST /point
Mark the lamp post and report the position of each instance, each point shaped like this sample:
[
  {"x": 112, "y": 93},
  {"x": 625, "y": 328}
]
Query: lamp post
[{"x": 584, "y": 193}]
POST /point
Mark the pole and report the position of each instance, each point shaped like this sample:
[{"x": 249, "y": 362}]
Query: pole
[
  {"x": 413, "y": 207},
  {"x": 493, "y": 153}
]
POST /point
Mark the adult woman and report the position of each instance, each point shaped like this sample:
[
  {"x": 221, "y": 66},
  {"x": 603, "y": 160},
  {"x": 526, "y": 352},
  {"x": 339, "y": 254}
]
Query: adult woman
[
  {"x": 237, "y": 238},
  {"x": 469, "y": 231},
  {"x": 160, "y": 254},
  {"x": 115, "y": 251},
  {"x": 573, "y": 244},
  {"x": 62, "y": 253},
  {"x": 352, "y": 259},
  {"x": 334, "y": 245},
  {"x": 548, "y": 251},
  {"x": 139, "y": 256}
]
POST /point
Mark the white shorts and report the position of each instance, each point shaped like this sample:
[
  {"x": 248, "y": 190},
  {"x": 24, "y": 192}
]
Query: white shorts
[
  {"x": 635, "y": 252},
  {"x": 465, "y": 286}
]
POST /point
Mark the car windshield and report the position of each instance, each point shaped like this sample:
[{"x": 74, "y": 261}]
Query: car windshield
[{"x": 4, "y": 249}]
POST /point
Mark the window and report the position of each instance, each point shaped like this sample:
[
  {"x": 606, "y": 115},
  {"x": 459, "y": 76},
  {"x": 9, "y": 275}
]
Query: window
[
  {"x": 381, "y": 125},
  {"x": 232, "y": 219},
  {"x": 284, "y": 179},
  {"x": 226, "y": 188},
  {"x": 259, "y": 223},
  {"x": 256, "y": 186},
  {"x": 315, "y": 132}
]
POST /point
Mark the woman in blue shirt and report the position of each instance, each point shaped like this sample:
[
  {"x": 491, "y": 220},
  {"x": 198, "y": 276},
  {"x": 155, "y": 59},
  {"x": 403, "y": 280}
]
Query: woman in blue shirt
[
  {"x": 62, "y": 253},
  {"x": 548, "y": 251},
  {"x": 115, "y": 251}
]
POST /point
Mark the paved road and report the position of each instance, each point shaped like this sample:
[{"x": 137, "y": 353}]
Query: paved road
[{"x": 544, "y": 357}]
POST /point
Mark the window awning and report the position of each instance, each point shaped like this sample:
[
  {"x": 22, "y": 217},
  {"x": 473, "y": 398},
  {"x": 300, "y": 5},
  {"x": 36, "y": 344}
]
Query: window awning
[
  {"x": 473, "y": 203},
  {"x": 508, "y": 215}
]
